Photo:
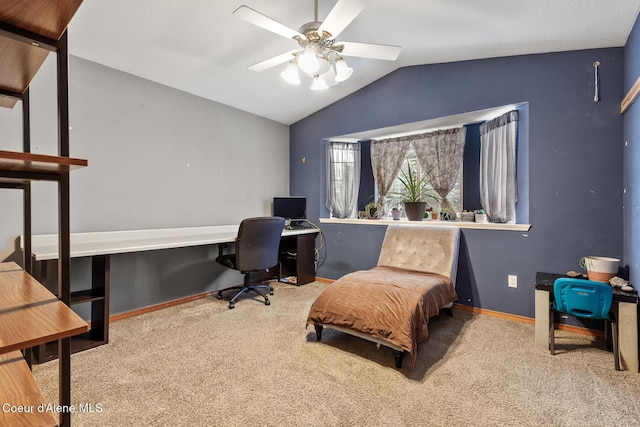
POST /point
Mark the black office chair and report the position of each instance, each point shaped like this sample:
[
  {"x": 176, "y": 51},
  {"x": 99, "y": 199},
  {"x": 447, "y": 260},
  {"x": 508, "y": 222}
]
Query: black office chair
[{"x": 257, "y": 247}]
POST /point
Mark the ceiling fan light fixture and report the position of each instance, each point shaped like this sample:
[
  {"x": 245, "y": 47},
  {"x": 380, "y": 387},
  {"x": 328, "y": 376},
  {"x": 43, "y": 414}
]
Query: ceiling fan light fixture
[
  {"x": 330, "y": 77},
  {"x": 291, "y": 74},
  {"x": 308, "y": 61},
  {"x": 319, "y": 55},
  {"x": 319, "y": 83},
  {"x": 325, "y": 65},
  {"x": 343, "y": 71}
]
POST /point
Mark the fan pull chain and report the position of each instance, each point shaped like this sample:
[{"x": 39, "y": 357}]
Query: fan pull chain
[{"x": 596, "y": 95}]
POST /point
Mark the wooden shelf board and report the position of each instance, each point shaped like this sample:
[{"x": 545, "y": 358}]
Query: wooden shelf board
[
  {"x": 38, "y": 163},
  {"x": 44, "y": 17},
  {"x": 14, "y": 183},
  {"x": 88, "y": 295},
  {"x": 49, "y": 351},
  {"x": 6, "y": 102},
  {"x": 31, "y": 315},
  {"x": 19, "y": 64},
  {"x": 20, "y": 61},
  {"x": 20, "y": 389},
  {"x": 9, "y": 266}
]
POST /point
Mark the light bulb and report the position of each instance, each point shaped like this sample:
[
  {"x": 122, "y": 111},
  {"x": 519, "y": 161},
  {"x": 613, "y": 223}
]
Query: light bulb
[
  {"x": 319, "y": 83},
  {"x": 343, "y": 71},
  {"x": 323, "y": 67},
  {"x": 330, "y": 77},
  {"x": 290, "y": 74},
  {"x": 308, "y": 61}
]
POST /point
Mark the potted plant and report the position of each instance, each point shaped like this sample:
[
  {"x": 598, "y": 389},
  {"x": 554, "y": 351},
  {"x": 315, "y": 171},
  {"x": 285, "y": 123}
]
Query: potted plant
[
  {"x": 396, "y": 213},
  {"x": 373, "y": 209},
  {"x": 414, "y": 194}
]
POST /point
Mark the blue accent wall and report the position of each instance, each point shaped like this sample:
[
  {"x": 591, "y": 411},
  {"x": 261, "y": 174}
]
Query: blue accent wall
[
  {"x": 367, "y": 183},
  {"x": 572, "y": 162},
  {"x": 632, "y": 159},
  {"x": 471, "y": 169}
]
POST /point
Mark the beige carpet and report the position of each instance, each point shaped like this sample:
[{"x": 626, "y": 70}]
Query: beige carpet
[{"x": 201, "y": 364}]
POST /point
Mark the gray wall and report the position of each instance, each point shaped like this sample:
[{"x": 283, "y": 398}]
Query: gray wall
[
  {"x": 158, "y": 157},
  {"x": 575, "y": 153}
]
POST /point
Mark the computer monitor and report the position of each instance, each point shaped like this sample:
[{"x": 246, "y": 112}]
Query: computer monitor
[{"x": 290, "y": 208}]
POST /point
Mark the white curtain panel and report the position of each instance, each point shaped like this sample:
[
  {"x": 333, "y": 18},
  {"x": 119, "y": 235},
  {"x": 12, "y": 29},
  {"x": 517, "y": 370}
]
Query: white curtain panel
[
  {"x": 343, "y": 179},
  {"x": 440, "y": 154},
  {"x": 498, "y": 189}
]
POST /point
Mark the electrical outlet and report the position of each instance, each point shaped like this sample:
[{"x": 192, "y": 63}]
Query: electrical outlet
[{"x": 513, "y": 281}]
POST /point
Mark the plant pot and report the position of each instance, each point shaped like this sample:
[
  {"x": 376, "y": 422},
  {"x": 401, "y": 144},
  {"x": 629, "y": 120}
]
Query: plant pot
[
  {"x": 415, "y": 210},
  {"x": 481, "y": 218},
  {"x": 396, "y": 213}
]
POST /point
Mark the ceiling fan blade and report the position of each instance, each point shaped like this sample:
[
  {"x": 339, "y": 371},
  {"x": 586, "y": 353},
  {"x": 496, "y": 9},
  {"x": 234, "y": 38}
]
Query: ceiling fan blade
[
  {"x": 341, "y": 15},
  {"x": 256, "y": 18},
  {"x": 369, "y": 50},
  {"x": 272, "y": 62}
]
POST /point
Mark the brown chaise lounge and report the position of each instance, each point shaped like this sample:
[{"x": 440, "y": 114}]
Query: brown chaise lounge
[{"x": 391, "y": 303}]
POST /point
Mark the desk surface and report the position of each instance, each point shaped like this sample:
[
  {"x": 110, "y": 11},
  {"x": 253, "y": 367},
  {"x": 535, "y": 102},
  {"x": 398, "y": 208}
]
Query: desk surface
[
  {"x": 45, "y": 246},
  {"x": 544, "y": 281}
]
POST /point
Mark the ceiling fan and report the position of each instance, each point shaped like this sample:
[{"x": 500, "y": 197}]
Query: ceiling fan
[{"x": 319, "y": 55}]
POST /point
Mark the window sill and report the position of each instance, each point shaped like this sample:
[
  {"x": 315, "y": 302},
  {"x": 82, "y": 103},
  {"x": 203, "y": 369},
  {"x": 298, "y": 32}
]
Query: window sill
[{"x": 461, "y": 224}]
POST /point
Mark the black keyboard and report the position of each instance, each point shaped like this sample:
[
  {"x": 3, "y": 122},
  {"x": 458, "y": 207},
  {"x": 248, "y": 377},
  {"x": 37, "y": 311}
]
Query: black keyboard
[{"x": 296, "y": 227}]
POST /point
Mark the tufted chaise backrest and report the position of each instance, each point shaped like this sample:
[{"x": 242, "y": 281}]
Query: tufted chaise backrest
[{"x": 425, "y": 248}]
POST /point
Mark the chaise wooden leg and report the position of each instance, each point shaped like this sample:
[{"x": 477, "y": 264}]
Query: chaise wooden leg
[
  {"x": 318, "y": 331},
  {"x": 397, "y": 355},
  {"x": 448, "y": 312}
]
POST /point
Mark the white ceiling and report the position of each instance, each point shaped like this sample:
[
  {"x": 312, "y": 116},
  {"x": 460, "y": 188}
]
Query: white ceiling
[{"x": 198, "y": 46}]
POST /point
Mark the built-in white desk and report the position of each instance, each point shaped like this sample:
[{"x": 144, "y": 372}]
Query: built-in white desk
[
  {"x": 45, "y": 246},
  {"x": 100, "y": 245}
]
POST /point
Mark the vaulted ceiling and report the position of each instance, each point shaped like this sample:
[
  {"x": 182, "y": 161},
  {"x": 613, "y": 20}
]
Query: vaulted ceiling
[{"x": 199, "y": 47}]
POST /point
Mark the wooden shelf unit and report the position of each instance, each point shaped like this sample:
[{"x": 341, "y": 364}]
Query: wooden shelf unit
[{"x": 30, "y": 315}]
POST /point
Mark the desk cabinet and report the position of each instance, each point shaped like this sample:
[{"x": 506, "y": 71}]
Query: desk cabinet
[{"x": 297, "y": 257}]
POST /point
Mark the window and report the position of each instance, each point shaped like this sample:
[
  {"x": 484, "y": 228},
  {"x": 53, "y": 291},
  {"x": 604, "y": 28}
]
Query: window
[
  {"x": 454, "y": 197},
  {"x": 343, "y": 179},
  {"x": 464, "y": 184}
]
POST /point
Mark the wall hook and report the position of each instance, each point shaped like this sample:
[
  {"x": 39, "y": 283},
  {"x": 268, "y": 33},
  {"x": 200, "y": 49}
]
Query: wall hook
[{"x": 596, "y": 85}]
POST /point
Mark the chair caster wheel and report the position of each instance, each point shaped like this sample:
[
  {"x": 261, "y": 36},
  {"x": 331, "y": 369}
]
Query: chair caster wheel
[
  {"x": 271, "y": 292},
  {"x": 267, "y": 302},
  {"x": 231, "y": 306},
  {"x": 219, "y": 295}
]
